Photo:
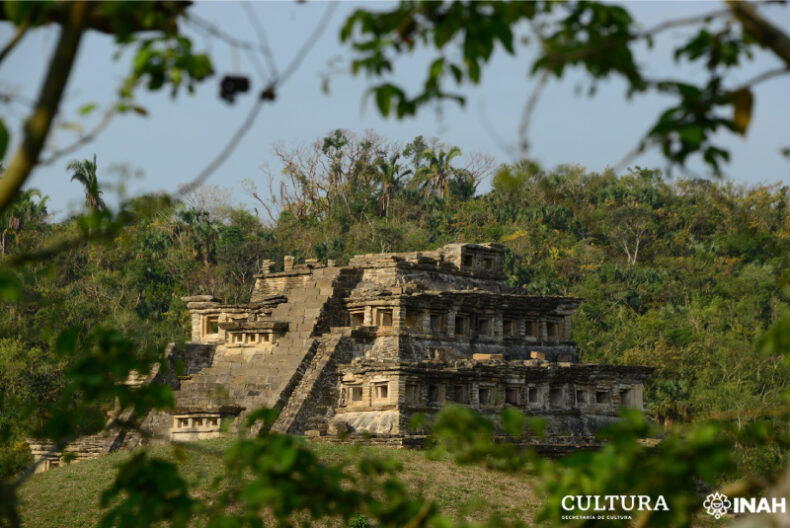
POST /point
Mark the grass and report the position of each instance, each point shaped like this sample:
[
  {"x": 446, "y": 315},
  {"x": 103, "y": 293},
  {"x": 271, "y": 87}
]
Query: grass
[{"x": 68, "y": 496}]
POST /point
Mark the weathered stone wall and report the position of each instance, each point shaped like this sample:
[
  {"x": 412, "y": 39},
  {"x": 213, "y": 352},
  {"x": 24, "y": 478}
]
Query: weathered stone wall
[
  {"x": 576, "y": 399},
  {"x": 471, "y": 260},
  {"x": 84, "y": 448},
  {"x": 280, "y": 283}
]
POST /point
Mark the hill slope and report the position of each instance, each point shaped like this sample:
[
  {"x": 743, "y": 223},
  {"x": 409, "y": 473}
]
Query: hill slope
[{"x": 69, "y": 496}]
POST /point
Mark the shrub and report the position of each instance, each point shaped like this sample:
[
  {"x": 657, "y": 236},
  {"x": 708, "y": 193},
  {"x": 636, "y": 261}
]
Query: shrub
[{"x": 359, "y": 521}]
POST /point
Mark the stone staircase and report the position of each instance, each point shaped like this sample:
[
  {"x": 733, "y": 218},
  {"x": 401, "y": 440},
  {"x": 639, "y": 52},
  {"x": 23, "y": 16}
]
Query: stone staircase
[
  {"x": 308, "y": 401},
  {"x": 268, "y": 378}
]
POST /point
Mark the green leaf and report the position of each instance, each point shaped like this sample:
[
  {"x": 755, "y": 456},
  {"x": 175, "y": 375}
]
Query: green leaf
[
  {"x": 457, "y": 73},
  {"x": 474, "y": 70},
  {"x": 4, "y": 137},
  {"x": 776, "y": 341},
  {"x": 87, "y": 109},
  {"x": 513, "y": 422},
  {"x": 437, "y": 67},
  {"x": 33, "y": 12},
  {"x": 692, "y": 134},
  {"x": 66, "y": 341},
  {"x": 383, "y": 99},
  {"x": 742, "y": 102},
  {"x": 10, "y": 287}
]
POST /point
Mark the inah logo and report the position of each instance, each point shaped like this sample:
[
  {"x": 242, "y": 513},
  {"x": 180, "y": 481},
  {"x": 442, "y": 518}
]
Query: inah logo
[{"x": 717, "y": 504}]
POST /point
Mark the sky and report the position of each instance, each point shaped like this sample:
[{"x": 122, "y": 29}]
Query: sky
[{"x": 179, "y": 137}]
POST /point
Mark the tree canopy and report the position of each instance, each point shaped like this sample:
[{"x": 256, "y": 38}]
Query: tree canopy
[{"x": 599, "y": 39}]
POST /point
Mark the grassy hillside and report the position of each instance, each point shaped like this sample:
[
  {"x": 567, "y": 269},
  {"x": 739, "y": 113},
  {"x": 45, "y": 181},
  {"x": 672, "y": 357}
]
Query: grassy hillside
[{"x": 69, "y": 496}]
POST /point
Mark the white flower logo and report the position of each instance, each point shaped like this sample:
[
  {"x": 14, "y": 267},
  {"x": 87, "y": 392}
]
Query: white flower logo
[{"x": 717, "y": 504}]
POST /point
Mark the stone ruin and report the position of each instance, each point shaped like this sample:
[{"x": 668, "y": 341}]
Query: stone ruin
[{"x": 362, "y": 348}]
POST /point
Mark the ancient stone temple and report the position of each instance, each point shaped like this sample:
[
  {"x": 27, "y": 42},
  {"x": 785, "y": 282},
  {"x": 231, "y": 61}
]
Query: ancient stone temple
[{"x": 363, "y": 347}]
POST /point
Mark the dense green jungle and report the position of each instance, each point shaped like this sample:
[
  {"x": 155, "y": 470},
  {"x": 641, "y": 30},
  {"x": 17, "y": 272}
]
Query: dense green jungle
[{"x": 678, "y": 273}]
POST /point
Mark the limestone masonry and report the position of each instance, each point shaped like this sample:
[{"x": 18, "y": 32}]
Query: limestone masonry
[{"x": 361, "y": 348}]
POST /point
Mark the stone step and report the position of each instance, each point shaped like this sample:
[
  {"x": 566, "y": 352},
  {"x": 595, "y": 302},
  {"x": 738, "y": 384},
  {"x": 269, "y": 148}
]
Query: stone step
[{"x": 261, "y": 378}]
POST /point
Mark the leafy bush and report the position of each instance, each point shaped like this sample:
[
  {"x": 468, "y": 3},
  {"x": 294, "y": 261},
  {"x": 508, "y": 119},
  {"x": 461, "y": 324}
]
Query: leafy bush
[{"x": 359, "y": 521}]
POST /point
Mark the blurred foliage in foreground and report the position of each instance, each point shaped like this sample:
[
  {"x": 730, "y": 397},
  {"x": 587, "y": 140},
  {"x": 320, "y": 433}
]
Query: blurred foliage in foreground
[{"x": 684, "y": 275}]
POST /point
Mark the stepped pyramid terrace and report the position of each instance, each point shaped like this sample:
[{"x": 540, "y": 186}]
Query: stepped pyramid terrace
[{"x": 362, "y": 348}]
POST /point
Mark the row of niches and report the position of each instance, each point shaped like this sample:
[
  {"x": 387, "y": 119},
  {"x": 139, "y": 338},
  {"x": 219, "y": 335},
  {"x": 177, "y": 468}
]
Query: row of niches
[
  {"x": 462, "y": 324},
  {"x": 202, "y": 421},
  {"x": 210, "y": 329},
  {"x": 251, "y": 338},
  {"x": 545, "y": 396}
]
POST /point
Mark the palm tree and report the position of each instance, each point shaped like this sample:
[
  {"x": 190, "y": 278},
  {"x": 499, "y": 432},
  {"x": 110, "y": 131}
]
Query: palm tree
[
  {"x": 435, "y": 175},
  {"x": 85, "y": 173},
  {"x": 389, "y": 174}
]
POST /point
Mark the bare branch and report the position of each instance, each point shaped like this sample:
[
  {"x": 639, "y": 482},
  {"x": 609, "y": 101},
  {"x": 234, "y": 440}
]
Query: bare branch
[
  {"x": 257, "y": 64},
  {"x": 82, "y": 140},
  {"x": 526, "y": 116},
  {"x": 668, "y": 24},
  {"x": 267, "y": 94},
  {"x": 770, "y": 74},
  {"x": 249, "y": 47},
  {"x": 250, "y": 188},
  {"x": 510, "y": 150},
  {"x": 215, "y": 31},
  {"x": 308, "y": 44},
  {"x": 20, "y": 32},
  {"x": 480, "y": 166},
  {"x": 220, "y": 158},
  {"x": 264, "y": 43}
]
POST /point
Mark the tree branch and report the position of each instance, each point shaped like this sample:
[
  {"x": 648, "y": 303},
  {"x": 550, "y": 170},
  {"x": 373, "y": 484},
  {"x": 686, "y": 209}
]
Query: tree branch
[
  {"x": 225, "y": 152},
  {"x": 683, "y": 22},
  {"x": 526, "y": 116},
  {"x": 770, "y": 74},
  {"x": 85, "y": 138},
  {"x": 158, "y": 15},
  {"x": 20, "y": 32},
  {"x": 38, "y": 125},
  {"x": 267, "y": 94},
  {"x": 212, "y": 30},
  {"x": 588, "y": 52},
  {"x": 308, "y": 44},
  {"x": 264, "y": 42},
  {"x": 763, "y": 31}
]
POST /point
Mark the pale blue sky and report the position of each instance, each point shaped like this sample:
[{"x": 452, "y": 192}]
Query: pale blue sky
[{"x": 180, "y": 137}]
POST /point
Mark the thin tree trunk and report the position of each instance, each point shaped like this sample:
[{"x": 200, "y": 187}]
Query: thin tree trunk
[
  {"x": 763, "y": 31},
  {"x": 20, "y": 32},
  {"x": 38, "y": 125}
]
